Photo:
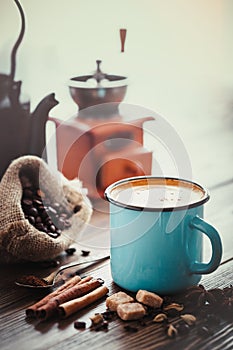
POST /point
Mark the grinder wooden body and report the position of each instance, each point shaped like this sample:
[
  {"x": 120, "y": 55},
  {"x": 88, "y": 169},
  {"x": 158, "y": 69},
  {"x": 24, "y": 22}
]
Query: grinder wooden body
[{"x": 101, "y": 151}]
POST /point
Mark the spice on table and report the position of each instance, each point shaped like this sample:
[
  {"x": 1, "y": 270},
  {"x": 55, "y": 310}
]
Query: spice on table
[
  {"x": 85, "y": 252},
  {"x": 70, "y": 307},
  {"x": 189, "y": 319},
  {"x": 70, "y": 251},
  {"x": 205, "y": 317},
  {"x": 199, "y": 296},
  {"x": 98, "y": 323},
  {"x": 101, "y": 326},
  {"x": 96, "y": 318},
  {"x": 31, "y": 310},
  {"x": 171, "y": 331},
  {"x": 76, "y": 291},
  {"x": 32, "y": 280},
  {"x": 49, "y": 263},
  {"x": 79, "y": 324},
  {"x": 159, "y": 318},
  {"x": 108, "y": 315},
  {"x": 173, "y": 309}
]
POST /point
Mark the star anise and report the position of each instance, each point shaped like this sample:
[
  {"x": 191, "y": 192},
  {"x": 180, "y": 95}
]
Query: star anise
[
  {"x": 226, "y": 310},
  {"x": 199, "y": 296},
  {"x": 228, "y": 291}
]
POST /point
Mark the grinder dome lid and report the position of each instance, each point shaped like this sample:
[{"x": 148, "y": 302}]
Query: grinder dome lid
[{"x": 98, "y": 80}]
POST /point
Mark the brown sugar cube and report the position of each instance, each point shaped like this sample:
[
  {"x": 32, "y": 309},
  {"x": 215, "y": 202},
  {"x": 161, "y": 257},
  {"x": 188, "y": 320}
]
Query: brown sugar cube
[
  {"x": 130, "y": 311},
  {"x": 116, "y": 299},
  {"x": 149, "y": 298}
]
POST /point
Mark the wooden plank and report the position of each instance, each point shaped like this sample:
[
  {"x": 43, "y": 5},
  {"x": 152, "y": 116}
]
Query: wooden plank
[{"x": 17, "y": 332}]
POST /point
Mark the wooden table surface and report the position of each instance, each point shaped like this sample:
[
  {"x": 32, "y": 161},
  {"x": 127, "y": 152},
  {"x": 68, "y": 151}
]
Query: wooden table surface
[{"x": 214, "y": 167}]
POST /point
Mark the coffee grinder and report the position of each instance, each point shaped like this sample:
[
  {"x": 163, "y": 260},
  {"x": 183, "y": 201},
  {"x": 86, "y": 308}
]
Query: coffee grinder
[{"x": 99, "y": 145}]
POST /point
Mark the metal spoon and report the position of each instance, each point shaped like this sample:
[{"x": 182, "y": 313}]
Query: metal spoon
[{"x": 50, "y": 279}]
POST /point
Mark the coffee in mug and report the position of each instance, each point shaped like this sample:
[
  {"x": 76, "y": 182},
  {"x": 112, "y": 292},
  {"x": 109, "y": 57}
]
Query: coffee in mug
[{"x": 157, "y": 232}]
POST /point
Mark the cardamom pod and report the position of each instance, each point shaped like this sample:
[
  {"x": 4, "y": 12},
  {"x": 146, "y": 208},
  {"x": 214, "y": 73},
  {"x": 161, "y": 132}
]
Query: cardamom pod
[
  {"x": 189, "y": 319},
  {"x": 160, "y": 318},
  {"x": 171, "y": 331},
  {"x": 175, "y": 306},
  {"x": 96, "y": 319}
]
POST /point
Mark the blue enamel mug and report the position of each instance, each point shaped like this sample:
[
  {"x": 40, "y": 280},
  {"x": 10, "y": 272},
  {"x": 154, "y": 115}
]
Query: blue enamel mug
[{"x": 157, "y": 231}]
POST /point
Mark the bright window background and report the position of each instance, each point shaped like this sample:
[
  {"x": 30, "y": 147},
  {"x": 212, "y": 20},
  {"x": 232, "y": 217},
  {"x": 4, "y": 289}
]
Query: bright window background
[{"x": 178, "y": 54}]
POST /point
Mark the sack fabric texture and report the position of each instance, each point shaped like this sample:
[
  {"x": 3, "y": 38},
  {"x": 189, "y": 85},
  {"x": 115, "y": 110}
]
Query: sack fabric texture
[{"x": 19, "y": 240}]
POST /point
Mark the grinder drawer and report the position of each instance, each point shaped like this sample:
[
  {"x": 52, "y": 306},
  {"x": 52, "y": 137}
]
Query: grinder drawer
[{"x": 135, "y": 163}]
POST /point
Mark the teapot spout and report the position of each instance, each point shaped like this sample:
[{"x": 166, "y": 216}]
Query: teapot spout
[{"x": 38, "y": 125}]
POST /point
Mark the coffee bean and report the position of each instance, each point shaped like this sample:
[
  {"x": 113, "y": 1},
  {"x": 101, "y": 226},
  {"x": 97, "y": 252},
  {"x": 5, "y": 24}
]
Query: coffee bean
[
  {"x": 48, "y": 222},
  {"x": 52, "y": 228},
  {"x": 79, "y": 324},
  {"x": 27, "y": 202},
  {"x": 46, "y": 215},
  {"x": 85, "y": 252},
  {"x": 25, "y": 182},
  {"x": 39, "y": 226},
  {"x": 108, "y": 315},
  {"x": 27, "y": 193},
  {"x": 103, "y": 326},
  {"x": 70, "y": 251},
  {"x": 77, "y": 208},
  {"x": 40, "y": 208},
  {"x": 32, "y": 220},
  {"x": 38, "y": 202},
  {"x": 53, "y": 234},
  {"x": 33, "y": 212}
]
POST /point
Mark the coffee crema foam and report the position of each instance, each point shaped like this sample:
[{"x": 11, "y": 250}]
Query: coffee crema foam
[{"x": 156, "y": 193}]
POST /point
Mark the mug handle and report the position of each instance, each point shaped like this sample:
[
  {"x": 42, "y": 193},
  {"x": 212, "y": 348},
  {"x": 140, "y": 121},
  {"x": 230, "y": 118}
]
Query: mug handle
[{"x": 210, "y": 231}]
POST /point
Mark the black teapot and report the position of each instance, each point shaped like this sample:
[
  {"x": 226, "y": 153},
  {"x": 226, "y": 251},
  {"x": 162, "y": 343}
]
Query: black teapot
[{"x": 21, "y": 132}]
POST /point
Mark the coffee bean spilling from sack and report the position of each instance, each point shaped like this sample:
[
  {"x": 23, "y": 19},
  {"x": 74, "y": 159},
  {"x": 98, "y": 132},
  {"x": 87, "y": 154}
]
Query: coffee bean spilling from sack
[{"x": 49, "y": 217}]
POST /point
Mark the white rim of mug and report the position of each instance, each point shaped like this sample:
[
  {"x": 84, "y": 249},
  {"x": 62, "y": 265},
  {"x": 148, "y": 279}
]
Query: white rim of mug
[{"x": 108, "y": 197}]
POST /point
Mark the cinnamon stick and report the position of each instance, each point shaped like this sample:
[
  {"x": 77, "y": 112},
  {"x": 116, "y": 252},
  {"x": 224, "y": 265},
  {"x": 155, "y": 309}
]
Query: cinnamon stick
[
  {"x": 80, "y": 289},
  {"x": 72, "y": 306},
  {"x": 31, "y": 311}
]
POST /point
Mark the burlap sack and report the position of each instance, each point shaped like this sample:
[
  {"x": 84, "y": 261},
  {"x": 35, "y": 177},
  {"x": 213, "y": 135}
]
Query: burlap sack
[{"x": 19, "y": 240}]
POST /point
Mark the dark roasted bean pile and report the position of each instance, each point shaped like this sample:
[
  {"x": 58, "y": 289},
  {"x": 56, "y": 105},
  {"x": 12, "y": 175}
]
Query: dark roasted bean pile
[{"x": 45, "y": 215}]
